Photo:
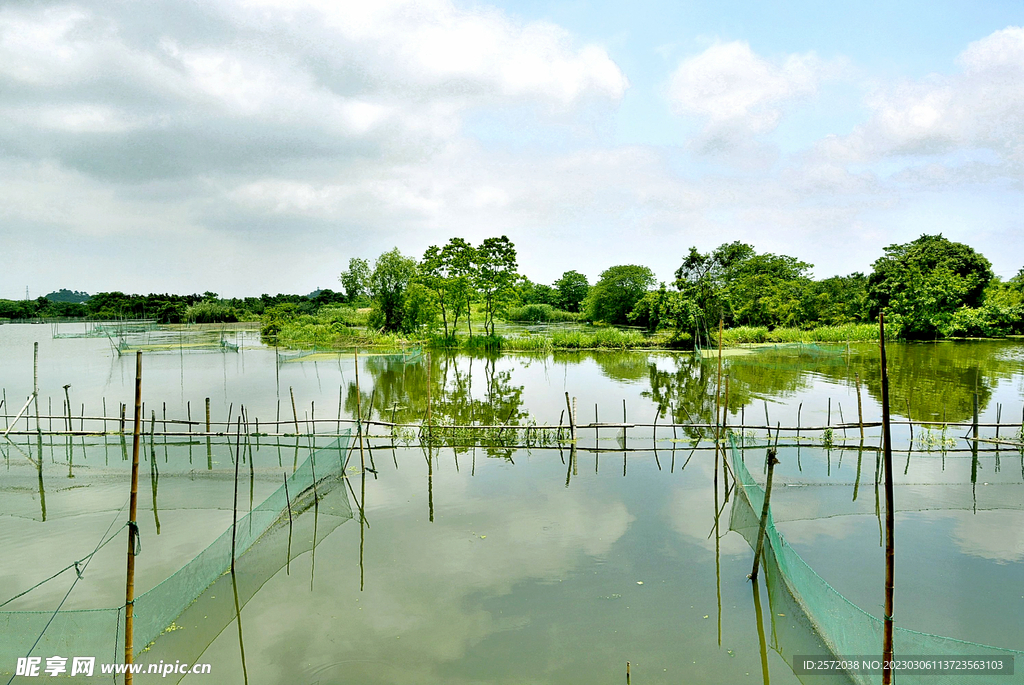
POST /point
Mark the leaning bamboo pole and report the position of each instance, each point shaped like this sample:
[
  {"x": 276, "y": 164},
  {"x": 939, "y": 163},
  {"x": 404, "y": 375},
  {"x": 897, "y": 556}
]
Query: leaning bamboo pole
[{"x": 133, "y": 528}]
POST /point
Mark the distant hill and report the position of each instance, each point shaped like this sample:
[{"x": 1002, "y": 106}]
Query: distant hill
[{"x": 64, "y": 295}]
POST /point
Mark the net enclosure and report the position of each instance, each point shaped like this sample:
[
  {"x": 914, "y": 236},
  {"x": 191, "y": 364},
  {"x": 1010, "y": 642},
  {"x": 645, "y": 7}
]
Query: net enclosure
[
  {"x": 835, "y": 625},
  {"x": 182, "y": 615}
]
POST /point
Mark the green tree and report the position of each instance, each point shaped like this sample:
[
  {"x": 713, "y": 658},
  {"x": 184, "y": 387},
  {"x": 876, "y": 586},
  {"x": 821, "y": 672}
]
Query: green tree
[
  {"x": 572, "y": 290},
  {"x": 356, "y": 280},
  {"x": 392, "y": 274},
  {"x": 766, "y": 290},
  {"x": 529, "y": 292},
  {"x": 921, "y": 284},
  {"x": 651, "y": 309},
  {"x": 702, "y": 280},
  {"x": 495, "y": 277},
  {"x": 836, "y": 300},
  {"x": 617, "y": 291},
  {"x": 446, "y": 272}
]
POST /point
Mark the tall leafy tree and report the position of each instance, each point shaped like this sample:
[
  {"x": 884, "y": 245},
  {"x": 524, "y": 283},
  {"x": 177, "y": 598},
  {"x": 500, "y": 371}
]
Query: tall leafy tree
[
  {"x": 572, "y": 289},
  {"x": 446, "y": 272},
  {"x": 766, "y": 290},
  {"x": 392, "y": 274},
  {"x": 921, "y": 284},
  {"x": 356, "y": 280},
  {"x": 617, "y": 292},
  {"x": 495, "y": 277}
]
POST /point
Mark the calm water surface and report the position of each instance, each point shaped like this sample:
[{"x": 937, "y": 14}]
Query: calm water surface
[{"x": 495, "y": 565}]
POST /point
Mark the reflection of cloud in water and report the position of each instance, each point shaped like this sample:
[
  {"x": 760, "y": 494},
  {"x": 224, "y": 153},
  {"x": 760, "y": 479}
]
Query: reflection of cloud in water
[
  {"x": 427, "y": 584},
  {"x": 997, "y": 535},
  {"x": 691, "y": 510}
]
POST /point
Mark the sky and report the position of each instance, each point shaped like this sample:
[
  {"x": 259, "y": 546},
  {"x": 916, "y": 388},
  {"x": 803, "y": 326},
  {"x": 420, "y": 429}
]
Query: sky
[{"x": 255, "y": 146}]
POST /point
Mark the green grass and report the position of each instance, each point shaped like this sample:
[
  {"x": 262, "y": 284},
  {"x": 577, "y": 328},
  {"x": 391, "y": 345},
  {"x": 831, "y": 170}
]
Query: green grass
[
  {"x": 851, "y": 332},
  {"x": 540, "y": 313}
]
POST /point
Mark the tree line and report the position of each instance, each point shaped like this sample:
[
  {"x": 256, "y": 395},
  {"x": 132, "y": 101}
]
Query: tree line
[
  {"x": 208, "y": 307},
  {"x": 928, "y": 288}
]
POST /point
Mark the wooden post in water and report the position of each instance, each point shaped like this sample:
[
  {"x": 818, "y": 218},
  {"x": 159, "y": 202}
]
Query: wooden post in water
[
  {"x": 133, "y": 528},
  {"x": 572, "y": 420},
  {"x": 207, "y": 414},
  {"x": 974, "y": 423},
  {"x": 627, "y": 673},
  {"x": 359, "y": 421},
  {"x": 772, "y": 461},
  {"x": 430, "y": 433},
  {"x": 234, "y": 506},
  {"x": 623, "y": 422},
  {"x": 35, "y": 380},
  {"x": 860, "y": 410},
  {"x": 295, "y": 414},
  {"x": 890, "y": 542}
]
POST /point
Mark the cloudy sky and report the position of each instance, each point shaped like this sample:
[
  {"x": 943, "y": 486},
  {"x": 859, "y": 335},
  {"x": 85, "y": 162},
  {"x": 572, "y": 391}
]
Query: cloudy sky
[{"x": 250, "y": 146}]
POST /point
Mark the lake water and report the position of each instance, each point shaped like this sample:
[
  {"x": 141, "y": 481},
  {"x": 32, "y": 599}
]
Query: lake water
[{"x": 514, "y": 565}]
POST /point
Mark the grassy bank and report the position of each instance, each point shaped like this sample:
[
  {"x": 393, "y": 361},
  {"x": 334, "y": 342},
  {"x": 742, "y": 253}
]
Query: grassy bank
[
  {"x": 343, "y": 328},
  {"x": 853, "y": 332}
]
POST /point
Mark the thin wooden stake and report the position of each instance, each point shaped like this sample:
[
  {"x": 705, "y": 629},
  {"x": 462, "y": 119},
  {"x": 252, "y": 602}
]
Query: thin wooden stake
[
  {"x": 295, "y": 414},
  {"x": 772, "y": 461},
  {"x": 35, "y": 379},
  {"x": 572, "y": 422},
  {"x": 974, "y": 423},
  {"x": 133, "y": 528},
  {"x": 890, "y": 542},
  {"x": 234, "y": 506},
  {"x": 359, "y": 419},
  {"x": 860, "y": 410}
]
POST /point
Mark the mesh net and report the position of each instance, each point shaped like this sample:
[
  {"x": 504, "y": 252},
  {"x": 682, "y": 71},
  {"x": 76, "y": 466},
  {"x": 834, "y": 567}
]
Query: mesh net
[
  {"x": 187, "y": 610},
  {"x": 842, "y": 627},
  {"x": 410, "y": 355},
  {"x": 105, "y": 329},
  {"x": 176, "y": 340}
]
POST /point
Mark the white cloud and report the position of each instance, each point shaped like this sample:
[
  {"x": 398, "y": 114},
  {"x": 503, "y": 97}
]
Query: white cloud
[
  {"x": 737, "y": 93},
  {"x": 980, "y": 107}
]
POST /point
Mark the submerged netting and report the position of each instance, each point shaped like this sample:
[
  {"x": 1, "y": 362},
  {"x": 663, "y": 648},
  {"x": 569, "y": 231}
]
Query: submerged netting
[
  {"x": 187, "y": 610},
  {"x": 410, "y": 355},
  {"x": 107, "y": 329},
  {"x": 842, "y": 627},
  {"x": 176, "y": 340}
]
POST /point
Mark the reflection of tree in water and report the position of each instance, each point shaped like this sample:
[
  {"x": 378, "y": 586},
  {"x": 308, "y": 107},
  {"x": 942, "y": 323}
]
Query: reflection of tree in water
[
  {"x": 687, "y": 393},
  {"x": 623, "y": 366},
  {"x": 457, "y": 395},
  {"x": 937, "y": 379}
]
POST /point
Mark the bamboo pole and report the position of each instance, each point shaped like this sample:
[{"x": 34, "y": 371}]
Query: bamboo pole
[
  {"x": 234, "y": 506},
  {"x": 430, "y": 433},
  {"x": 133, "y": 527},
  {"x": 18, "y": 417},
  {"x": 572, "y": 420},
  {"x": 295, "y": 414},
  {"x": 35, "y": 379},
  {"x": 359, "y": 418},
  {"x": 890, "y": 542},
  {"x": 974, "y": 423},
  {"x": 860, "y": 410},
  {"x": 772, "y": 461}
]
